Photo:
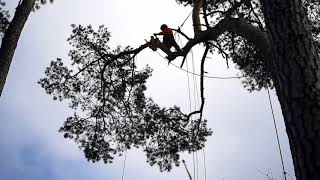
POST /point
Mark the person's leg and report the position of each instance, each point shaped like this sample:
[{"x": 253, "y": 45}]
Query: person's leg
[
  {"x": 176, "y": 46},
  {"x": 164, "y": 48},
  {"x": 173, "y": 43}
]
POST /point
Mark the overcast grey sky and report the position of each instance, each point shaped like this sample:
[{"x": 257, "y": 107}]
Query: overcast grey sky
[{"x": 243, "y": 139}]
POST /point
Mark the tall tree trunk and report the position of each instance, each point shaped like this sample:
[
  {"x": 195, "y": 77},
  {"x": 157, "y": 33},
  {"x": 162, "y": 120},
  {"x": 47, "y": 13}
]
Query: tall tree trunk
[
  {"x": 11, "y": 37},
  {"x": 297, "y": 67},
  {"x": 198, "y": 4}
]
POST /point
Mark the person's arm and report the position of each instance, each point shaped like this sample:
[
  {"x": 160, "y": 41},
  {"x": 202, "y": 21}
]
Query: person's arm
[
  {"x": 160, "y": 33},
  {"x": 166, "y": 31}
]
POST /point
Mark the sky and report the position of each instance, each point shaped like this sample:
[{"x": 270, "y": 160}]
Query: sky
[{"x": 31, "y": 148}]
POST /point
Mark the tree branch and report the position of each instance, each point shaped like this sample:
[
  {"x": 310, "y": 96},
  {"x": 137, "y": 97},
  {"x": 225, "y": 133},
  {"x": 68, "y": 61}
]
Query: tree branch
[
  {"x": 123, "y": 53},
  {"x": 202, "y": 86},
  {"x": 183, "y": 34},
  {"x": 240, "y": 27}
]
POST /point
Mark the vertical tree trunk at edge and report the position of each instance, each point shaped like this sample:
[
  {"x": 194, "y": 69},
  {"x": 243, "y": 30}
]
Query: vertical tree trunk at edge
[
  {"x": 297, "y": 71},
  {"x": 11, "y": 37},
  {"x": 196, "y": 16}
]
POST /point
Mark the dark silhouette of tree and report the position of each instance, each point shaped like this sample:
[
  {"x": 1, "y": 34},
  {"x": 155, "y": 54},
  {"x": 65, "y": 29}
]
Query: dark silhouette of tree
[
  {"x": 273, "y": 43},
  {"x": 11, "y": 32},
  {"x": 106, "y": 86}
]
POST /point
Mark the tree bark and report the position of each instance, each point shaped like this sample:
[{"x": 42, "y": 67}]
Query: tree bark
[
  {"x": 297, "y": 64},
  {"x": 196, "y": 16},
  {"x": 11, "y": 37}
]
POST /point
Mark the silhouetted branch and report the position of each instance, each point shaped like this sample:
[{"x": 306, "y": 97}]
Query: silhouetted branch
[
  {"x": 124, "y": 53},
  {"x": 239, "y": 26},
  {"x": 255, "y": 14},
  {"x": 204, "y": 9},
  {"x": 192, "y": 113},
  {"x": 182, "y": 33},
  {"x": 202, "y": 71}
]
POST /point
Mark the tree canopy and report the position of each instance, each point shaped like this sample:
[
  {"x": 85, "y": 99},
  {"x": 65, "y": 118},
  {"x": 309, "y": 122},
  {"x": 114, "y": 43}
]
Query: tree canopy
[{"x": 105, "y": 84}]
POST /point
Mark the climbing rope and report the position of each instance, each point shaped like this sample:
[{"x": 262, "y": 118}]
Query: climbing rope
[
  {"x": 277, "y": 135},
  {"x": 211, "y": 77},
  {"x": 124, "y": 164},
  {"x": 190, "y": 109},
  {"x": 185, "y": 19},
  {"x": 196, "y": 104},
  {"x": 197, "y": 165},
  {"x": 194, "y": 166},
  {"x": 199, "y": 75},
  {"x": 194, "y": 155},
  {"x": 204, "y": 164},
  {"x": 196, "y": 100},
  {"x": 195, "y": 82}
]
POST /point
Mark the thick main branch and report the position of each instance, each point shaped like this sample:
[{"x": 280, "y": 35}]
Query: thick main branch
[{"x": 239, "y": 26}]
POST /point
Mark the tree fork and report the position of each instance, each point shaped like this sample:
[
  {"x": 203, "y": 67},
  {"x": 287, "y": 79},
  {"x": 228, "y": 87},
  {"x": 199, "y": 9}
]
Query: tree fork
[{"x": 238, "y": 26}]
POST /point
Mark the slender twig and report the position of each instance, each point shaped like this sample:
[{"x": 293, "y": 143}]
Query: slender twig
[
  {"x": 256, "y": 15},
  {"x": 223, "y": 53},
  {"x": 184, "y": 163},
  {"x": 215, "y": 12},
  {"x": 184, "y": 59}
]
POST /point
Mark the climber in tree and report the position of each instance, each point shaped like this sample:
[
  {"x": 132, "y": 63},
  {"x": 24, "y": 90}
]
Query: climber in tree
[{"x": 168, "y": 39}]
